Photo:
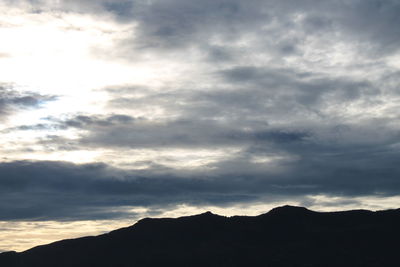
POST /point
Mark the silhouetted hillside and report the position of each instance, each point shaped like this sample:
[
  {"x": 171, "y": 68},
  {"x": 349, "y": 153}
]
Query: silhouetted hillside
[{"x": 285, "y": 236}]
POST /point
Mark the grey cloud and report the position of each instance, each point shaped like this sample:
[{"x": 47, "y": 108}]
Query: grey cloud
[
  {"x": 173, "y": 24},
  {"x": 221, "y": 54},
  {"x": 250, "y": 105},
  {"x": 125, "y": 131},
  {"x": 35, "y": 127},
  {"x": 311, "y": 91},
  {"x": 367, "y": 26},
  {"x": 77, "y": 121},
  {"x": 11, "y": 100},
  {"x": 374, "y": 21},
  {"x": 57, "y": 190},
  {"x": 122, "y": 9},
  {"x": 252, "y": 91},
  {"x": 82, "y": 121},
  {"x": 64, "y": 191}
]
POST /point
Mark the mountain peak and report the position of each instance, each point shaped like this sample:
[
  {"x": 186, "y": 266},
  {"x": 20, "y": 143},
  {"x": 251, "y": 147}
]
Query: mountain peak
[
  {"x": 207, "y": 213},
  {"x": 288, "y": 209}
]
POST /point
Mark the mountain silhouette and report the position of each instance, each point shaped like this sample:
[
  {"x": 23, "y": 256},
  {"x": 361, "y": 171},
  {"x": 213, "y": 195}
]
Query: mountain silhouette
[{"x": 284, "y": 237}]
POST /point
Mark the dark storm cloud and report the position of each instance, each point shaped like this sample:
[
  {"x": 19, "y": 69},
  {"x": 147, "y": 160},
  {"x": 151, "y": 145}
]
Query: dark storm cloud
[
  {"x": 64, "y": 191},
  {"x": 56, "y": 190},
  {"x": 12, "y": 100}
]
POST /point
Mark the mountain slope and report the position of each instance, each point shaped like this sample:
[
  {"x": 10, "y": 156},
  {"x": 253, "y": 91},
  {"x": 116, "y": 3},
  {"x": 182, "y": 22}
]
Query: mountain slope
[{"x": 285, "y": 236}]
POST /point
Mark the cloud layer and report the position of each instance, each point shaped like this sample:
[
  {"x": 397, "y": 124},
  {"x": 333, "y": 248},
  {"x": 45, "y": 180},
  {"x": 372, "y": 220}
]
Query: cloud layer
[{"x": 65, "y": 191}]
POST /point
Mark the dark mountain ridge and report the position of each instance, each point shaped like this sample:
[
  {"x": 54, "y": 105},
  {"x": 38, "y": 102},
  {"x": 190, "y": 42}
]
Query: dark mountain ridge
[{"x": 285, "y": 236}]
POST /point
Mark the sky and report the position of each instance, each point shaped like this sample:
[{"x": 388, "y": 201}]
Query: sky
[{"x": 115, "y": 110}]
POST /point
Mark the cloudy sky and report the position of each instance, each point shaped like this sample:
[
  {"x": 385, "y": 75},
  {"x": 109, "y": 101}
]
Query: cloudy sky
[{"x": 113, "y": 110}]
